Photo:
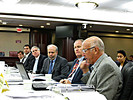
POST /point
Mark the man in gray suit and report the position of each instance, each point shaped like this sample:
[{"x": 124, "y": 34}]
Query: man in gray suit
[
  {"x": 105, "y": 75},
  {"x": 55, "y": 64}
]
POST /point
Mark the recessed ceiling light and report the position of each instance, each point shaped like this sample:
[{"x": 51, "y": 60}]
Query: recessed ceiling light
[
  {"x": 20, "y": 25},
  {"x": 42, "y": 26},
  {"x": 90, "y": 26},
  {"x": 47, "y": 23},
  {"x": 4, "y": 23},
  {"x": 11, "y": 1},
  {"x": 116, "y": 31},
  {"x": 86, "y": 5},
  {"x": 128, "y": 29}
]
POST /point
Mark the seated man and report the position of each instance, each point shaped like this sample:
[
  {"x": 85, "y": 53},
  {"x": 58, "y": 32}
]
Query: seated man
[
  {"x": 55, "y": 64},
  {"x": 105, "y": 76},
  {"x": 131, "y": 58},
  {"x": 75, "y": 74},
  {"x": 28, "y": 57},
  {"x": 21, "y": 56},
  {"x": 37, "y": 62}
]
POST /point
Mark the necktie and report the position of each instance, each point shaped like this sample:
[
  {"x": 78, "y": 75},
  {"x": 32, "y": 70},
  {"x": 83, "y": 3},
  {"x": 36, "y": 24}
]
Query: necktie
[
  {"x": 74, "y": 68},
  {"x": 50, "y": 67},
  {"x": 23, "y": 59},
  {"x": 35, "y": 66}
]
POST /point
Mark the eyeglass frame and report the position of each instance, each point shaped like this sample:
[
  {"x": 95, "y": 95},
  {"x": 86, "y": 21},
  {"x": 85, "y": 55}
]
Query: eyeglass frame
[{"x": 84, "y": 50}]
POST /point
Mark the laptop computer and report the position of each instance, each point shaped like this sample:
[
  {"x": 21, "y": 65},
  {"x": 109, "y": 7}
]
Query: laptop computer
[
  {"x": 22, "y": 71},
  {"x": 37, "y": 83}
]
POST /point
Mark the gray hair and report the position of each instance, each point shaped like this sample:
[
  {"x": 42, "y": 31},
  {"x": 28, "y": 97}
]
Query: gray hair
[
  {"x": 97, "y": 42},
  {"x": 35, "y": 47},
  {"x": 53, "y": 46},
  {"x": 79, "y": 40}
]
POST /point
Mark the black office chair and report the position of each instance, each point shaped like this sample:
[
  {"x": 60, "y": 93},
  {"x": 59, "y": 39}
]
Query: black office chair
[
  {"x": 70, "y": 64},
  {"x": 13, "y": 53},
  {"x": 127, "y": 90},
  {"x": 2, "y": 54}
]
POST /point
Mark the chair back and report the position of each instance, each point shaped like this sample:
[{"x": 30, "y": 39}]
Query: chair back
[
  {"x": 2, "y": 54},
  {"x": 127, "y": 90},
  {"x": 13, "y": 53}
]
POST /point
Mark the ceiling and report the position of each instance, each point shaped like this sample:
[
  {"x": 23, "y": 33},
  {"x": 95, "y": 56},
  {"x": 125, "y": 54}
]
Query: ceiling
[{"x": 110, "y": 15}]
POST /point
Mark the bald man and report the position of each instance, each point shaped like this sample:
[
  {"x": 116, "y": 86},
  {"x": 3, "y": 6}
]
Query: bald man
[{"x": 105, "y": 76}]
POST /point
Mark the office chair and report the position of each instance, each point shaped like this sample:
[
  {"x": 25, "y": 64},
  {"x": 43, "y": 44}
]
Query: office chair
[
  {"x": 127, "y": 90},
  {"x": 13, "y": 53}
]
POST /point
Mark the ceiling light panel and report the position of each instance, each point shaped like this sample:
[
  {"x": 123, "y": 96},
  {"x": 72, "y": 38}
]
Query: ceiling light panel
[
  {"x": 128, "y": 6},
  {"x": 10, "y": 1}
]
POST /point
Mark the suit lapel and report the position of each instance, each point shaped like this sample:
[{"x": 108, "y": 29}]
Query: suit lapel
[
  {"x": 76, "y": 74},
  {"x": 39, "y": 60},
  {"x": 47, "y": 65},
  {"x": 96, "y": 67}
]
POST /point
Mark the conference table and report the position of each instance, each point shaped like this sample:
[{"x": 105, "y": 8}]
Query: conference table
[{"x": 20, "y": 90}]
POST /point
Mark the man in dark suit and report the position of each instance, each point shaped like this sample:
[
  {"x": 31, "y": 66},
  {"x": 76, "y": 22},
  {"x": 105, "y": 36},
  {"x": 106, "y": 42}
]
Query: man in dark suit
[
  {"x": 127, "y": 89},
  {"x": 55, "y": 64},
  {"x": 105, "y": 76},
  {"x": 28, "y": 57},
  {"x": 75, "y": 73},
  {"x": 37, "y": 62},
  {"x": 20, "y": 56}
]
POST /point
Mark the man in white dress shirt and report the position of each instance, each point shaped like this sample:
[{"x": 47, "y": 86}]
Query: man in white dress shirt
[{"x": 37, "y": 62}]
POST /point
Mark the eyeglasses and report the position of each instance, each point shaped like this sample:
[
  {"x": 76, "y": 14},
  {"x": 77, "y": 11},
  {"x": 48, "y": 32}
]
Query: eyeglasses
[
  {"x": 84, "y": 50},
  {"x": 51, "y": 52},
  {"x": 34, "y": 50}
]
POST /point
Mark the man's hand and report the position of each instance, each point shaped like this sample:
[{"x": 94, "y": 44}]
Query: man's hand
[
  {"x": 84, "y": 66},
  {"x": 65, "y": 81}
]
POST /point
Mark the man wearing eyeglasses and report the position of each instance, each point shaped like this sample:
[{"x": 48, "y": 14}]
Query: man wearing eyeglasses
[
  {"x": 105, "y": 76},
  {"x": 55, "y": 64},
  {"x": 37, "y": 62}
]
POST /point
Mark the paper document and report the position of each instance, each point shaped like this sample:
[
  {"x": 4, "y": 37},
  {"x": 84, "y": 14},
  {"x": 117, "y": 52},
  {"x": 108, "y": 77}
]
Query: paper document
[{"x": 71, "y": 87}]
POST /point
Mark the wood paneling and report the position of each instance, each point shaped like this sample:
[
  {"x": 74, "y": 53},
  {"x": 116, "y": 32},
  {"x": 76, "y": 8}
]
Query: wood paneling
[
  {"x": 67, "y": 49},
  {"x": 40, "y": 38}
]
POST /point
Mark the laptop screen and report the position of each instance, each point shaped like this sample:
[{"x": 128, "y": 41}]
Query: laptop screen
[{"x": 22, "y": 71}]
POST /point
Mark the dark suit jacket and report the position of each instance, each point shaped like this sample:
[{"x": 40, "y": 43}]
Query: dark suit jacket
[
  {"x": 39, "y": 65},
  {"x": 27, "y": 63},
  {"x": 127, "y": 90},
  {"x": 60, "y": 68},
  {"x": 118, "y": 63},
  {"x": 78, "y": 75}
]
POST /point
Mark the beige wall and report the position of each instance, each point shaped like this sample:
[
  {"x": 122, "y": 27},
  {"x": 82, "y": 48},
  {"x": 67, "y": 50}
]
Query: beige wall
[
  {"x": 112, "y": 45},
  {"x": 8, "y": 41}
]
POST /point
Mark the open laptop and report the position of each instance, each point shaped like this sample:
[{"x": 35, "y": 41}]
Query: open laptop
[
  {"x": 36, "y": 86},
  {"x": 22, "y": 71}
]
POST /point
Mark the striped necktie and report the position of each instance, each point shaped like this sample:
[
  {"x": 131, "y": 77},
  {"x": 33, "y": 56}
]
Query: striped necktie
[{"x": 74, "y": 68}]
